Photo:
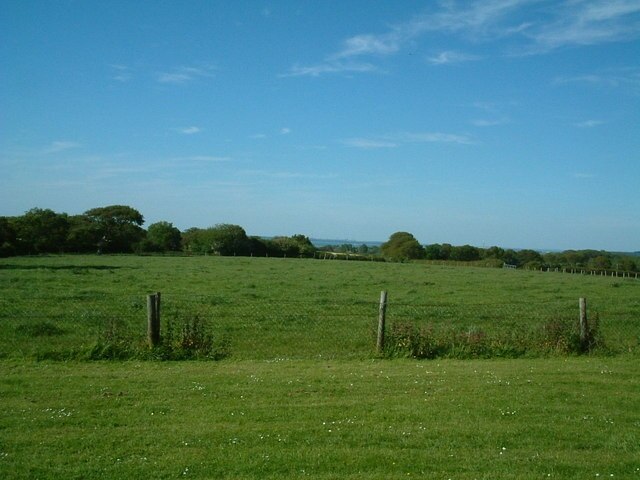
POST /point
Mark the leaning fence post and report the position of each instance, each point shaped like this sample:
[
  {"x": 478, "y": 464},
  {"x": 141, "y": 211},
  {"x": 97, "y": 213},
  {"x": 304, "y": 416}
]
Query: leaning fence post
[
  {"x": 153, "y": 319},
  {"x": 584, "y": 326},
  {"x": 381, "y": 320}
]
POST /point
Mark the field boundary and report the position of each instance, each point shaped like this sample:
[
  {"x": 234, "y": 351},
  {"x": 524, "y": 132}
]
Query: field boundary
[{"x": 305, "y": 328}]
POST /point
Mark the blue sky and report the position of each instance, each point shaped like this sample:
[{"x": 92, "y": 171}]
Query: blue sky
[{"x": 503, "y": 122}]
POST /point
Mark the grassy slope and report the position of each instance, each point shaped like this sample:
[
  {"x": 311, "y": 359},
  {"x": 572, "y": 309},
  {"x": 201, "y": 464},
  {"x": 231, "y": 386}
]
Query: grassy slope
[{"x": 545, "y": 418}]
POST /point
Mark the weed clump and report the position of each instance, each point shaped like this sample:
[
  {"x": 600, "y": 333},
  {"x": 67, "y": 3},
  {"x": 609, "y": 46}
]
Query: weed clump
[
  {"x": 190, "y": 339},
  {"x": 184, "y": 339},
  {"x": 554, "y": 337}
]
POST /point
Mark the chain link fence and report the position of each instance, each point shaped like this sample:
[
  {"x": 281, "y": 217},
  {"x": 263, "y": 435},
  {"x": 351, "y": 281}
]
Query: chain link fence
[{"x": 61, "y": 327}]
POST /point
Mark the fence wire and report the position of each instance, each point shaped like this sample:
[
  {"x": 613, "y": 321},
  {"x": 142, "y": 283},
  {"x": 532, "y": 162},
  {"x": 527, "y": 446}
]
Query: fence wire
[{"x": 285, "y": 329}]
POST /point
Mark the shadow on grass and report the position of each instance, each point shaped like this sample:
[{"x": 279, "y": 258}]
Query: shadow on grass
[{"x": 59, "y": 267}]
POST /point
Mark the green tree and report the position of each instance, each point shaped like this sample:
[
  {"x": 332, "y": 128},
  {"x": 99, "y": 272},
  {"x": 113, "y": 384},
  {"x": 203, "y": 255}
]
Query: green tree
[
  {"x": 194, "y": 241},
  {"x": 363, "y": 249},
  {"x": 257, "y": 247},
  {"x": 7, "y": 238},
  {"x": 601, "y": 262},
  {"x": 445, "y": 251},
  {"x": 346, "y": 248},
  {"x": 465, "y": 253},
  {"x": 494, "y": 252},
  {"x": 433, "y": 252},
  {"x": 529, "y": 257},
  {"x": 229, "y": 239},
  {"x": 510, "y": 257},
  {"x": 163, "y": 237},
  {"x": 305, "y": 247},
  {"x": 41, "y": 231},
  {"x": 222, "y": 239},
  {"x": 626, "y": 264},
  {"x": 83, "y": 234},
  {"x": 118, "y": 226},
  {"x": 402, "y": 246},
  {"x": 295, "y": 246}
]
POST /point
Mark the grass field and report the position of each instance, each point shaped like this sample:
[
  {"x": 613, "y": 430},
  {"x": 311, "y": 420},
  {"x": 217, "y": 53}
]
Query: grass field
[
  {"x": 574, "y": 418},
  {"x": 309, "y": 399},
  {"x": 53, "y": 306}
]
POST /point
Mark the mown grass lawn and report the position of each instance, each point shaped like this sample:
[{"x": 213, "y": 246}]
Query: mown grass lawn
[{"x": 568, "y": 418}]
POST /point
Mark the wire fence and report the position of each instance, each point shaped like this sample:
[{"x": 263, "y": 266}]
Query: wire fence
[{"x": 56, "y": 327}]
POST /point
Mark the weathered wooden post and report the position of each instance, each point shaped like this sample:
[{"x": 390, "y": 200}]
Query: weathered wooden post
[
  {"x": 153, "y": 319},
  {"x": 584, "y": 326},
  {"x": 382, "y": 311}
]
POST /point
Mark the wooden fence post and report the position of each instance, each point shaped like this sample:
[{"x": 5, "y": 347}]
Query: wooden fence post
[
  {"x": 382, "y": 312},
  {"x": 584, "y": 326},
  {"x": 153, "y": 319}
]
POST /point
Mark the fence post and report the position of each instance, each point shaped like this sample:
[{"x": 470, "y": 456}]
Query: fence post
[
  {"x": 381, "y": 321},
  {"x": 153, "y": 319},
  {"x": 584, "y": 326}
]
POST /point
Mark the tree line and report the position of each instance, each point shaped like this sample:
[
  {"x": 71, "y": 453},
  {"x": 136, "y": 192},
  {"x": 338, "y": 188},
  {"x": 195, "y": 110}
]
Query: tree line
[
  {"x": 118, "y": 229},
  {"x": 403, "y": 246}
]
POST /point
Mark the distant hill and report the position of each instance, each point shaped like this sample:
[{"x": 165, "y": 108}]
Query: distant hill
[{"x": 323, "y": 242}]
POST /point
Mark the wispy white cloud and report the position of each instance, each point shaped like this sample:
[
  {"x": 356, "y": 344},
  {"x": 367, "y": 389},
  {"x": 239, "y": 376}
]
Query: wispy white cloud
[
  {"x": 451, "y": 57},
  {"x": 589, "y": 123},
  {"x": 367, "y": 44},
  {"x": 121, "y": 73},
  {"x": 435, "y": 137},
  {"x": 262, "y": 136},
  {"x": 398, "y": 139},
  {"x": 448, "y": 18},
  {"x": 330, "y": 66},
  {"x": 203, "y": 158},
  {"x": 286, "y": 175},
  {"x": 586, "y": 22},
  {"x": 489, "y": 122},
  {"x": 528, "y": 26},
  {"x": 189, "y": 130},
  {"x": 492, "y": 114},
  {"x": 60, "y": 146},
  {"x": 369, "y": 143},
  {"x": 624, "y": 78},
  {"x": 183, "y": 75}
]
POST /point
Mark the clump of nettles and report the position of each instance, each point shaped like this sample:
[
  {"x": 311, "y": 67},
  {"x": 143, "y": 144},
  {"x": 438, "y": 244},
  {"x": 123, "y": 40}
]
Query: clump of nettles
[
  {"x": 556, "y": 336},
  {"x": 190, "y": 339},
  {"x": 182, "y": 339}
]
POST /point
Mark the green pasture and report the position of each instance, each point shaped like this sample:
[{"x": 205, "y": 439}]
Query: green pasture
[
  {"x": 303, "y": 394},
  {"x": 57, "y": 306},
  {"x": 564, "y": 418}
]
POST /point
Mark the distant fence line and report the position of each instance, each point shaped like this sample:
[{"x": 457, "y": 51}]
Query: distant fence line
[
  {"x": 323, "y": 328},
  {"x": 598, "y": 273},
  {"x": 586, "y": 333}
]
